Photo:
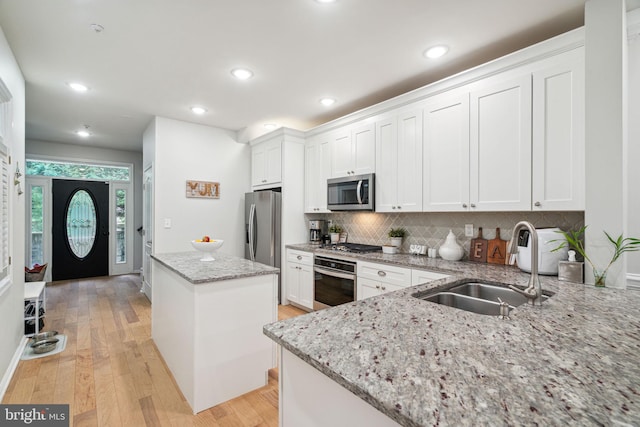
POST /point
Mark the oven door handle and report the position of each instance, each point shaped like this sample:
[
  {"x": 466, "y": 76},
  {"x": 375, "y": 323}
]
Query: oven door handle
[{"x": 334, "y": 273}]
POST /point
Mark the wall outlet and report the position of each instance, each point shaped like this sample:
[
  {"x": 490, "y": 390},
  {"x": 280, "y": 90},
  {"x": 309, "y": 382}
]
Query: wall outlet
[
  {"x": 468, "y": 230},
  {"x": 167, "y": 223}
]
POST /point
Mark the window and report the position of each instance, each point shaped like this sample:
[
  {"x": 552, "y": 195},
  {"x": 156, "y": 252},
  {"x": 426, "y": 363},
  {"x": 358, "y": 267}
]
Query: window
[
  {"x": 4, "y": 213},
  {"x": 121, "y": 223},
  {"x": 58, "y": 169},
  {"x": 6, "y": 184},
  {"x": 37, "y": 225}
]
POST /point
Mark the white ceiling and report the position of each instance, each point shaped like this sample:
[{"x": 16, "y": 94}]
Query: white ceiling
[{"x": 160, "y": 57}]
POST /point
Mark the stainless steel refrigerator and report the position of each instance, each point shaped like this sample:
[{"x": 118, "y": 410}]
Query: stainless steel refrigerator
[{"x": 262, "y": 227}]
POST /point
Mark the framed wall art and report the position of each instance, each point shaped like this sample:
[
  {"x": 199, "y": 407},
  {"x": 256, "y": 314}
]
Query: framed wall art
[{"x": 203, "y": 189}]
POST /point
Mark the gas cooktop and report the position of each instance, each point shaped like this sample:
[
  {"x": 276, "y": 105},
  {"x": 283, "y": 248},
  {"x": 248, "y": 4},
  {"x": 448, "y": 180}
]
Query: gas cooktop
[{"x": 352, "y": 247}]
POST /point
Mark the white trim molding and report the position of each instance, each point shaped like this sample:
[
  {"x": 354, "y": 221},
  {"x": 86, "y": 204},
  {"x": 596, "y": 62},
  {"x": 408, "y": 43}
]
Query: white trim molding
[
  {"x": 11, "y": 369},
  {"x": 633, "y": 281}
]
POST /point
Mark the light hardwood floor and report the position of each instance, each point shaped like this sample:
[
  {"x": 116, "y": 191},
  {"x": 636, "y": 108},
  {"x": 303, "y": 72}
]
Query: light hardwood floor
[{"x": 111, "y": 373}]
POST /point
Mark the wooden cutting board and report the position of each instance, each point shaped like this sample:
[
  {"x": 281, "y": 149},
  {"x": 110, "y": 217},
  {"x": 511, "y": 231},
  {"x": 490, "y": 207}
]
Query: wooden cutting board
[
  {"x": 497, "y": 250},
  {"x": 478, "y": 249}
]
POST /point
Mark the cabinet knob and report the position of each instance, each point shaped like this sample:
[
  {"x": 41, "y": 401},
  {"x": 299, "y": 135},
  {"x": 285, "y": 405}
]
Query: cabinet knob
[
  {"x": 377, "y": 286},
  {"x": 464, "y": 205},
  {"x": 393, "y": 207},
  {"x": 384, "y": 288},
  {"x": 381, "y": 273},
  {"x": 299, "y": 257},
  {"x": 473, "y": 205},
  {"x": 399, "y": 207},
  {"x": 537, "y": 204},
  {"x": 353, "y": 172}
]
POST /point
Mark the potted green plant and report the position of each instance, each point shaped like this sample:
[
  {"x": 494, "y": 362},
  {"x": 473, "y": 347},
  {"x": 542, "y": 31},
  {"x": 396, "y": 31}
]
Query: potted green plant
[
  {"x": 396, "y": 235},
  {"x": 620, "y": 245},
  {"x": 334, "y": 232}
]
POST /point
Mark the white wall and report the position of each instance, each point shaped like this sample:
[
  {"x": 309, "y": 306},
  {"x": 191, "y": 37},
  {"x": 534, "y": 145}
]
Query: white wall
[
  {"x": 187, "y": 151},
  {"x": 633, "y": 195},
  {"x": 605, "y": 132},
  {"x": 88, "y": 153},
  {"x": 11, "y": 301}
]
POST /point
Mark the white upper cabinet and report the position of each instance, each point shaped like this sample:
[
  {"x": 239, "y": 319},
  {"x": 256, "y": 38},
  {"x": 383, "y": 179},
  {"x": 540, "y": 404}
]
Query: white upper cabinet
[
  {"x": 558, "y": 133},
  {"x": 399, "y": 162},
  {"x": 500, "y": 144},
  {"x": 446, "y": 153},
  {"x": 317, "y": 159},
  {"x": 266, "y": 163},
  {"x": 353, "y": 151}
]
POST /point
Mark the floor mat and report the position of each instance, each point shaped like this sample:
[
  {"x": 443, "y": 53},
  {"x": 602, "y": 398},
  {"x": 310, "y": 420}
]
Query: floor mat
[{"x": 28, "y": 353}]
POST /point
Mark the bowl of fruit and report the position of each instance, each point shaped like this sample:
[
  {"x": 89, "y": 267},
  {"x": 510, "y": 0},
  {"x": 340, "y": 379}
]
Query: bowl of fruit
[{"x": 207, "y": 246}]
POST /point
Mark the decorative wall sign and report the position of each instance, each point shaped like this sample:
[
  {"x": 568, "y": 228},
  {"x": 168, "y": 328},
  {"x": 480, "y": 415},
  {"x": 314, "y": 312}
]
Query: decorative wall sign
[{"x": 203, "y": 189}]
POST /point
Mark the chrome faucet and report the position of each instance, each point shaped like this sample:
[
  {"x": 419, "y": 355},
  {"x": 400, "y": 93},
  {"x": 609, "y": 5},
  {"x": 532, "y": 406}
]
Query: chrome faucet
[{"x": 534, "y": 291}]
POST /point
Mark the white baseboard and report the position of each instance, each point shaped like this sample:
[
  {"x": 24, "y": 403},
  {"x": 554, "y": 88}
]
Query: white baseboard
[
  {"x": 633, "y": 281},
  {"x": 11, "y": 369}
]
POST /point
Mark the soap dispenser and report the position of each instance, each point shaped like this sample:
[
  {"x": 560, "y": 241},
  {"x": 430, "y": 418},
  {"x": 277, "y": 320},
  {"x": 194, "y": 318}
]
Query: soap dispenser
[{"x": 571, "y": 270}]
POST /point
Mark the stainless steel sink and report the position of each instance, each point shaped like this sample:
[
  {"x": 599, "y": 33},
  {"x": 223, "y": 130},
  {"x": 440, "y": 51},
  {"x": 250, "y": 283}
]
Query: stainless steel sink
[{"x": 476, "y": 297}]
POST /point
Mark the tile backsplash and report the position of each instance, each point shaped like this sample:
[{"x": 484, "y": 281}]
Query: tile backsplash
[{"x": 426, "y": 228}]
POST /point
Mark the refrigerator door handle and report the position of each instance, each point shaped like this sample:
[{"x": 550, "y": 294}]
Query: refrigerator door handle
[{"x": 252, "y": 237}]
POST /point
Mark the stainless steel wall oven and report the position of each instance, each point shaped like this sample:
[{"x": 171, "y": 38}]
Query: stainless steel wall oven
[{"x": 334, "y": 282}]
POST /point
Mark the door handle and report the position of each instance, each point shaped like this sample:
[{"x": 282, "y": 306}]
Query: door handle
[
  {"x": 252, "y": 216},
  {"x": 358, "y": 191}
]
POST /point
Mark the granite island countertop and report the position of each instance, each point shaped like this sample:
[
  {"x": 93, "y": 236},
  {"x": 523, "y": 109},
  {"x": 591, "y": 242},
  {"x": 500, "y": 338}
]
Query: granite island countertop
[
  {"x": 225, "y": 267},
  {"x": 573, "y": 361}
]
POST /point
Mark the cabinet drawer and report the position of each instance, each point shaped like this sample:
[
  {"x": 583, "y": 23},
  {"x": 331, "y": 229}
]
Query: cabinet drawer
[
  {"x": 300, "y": 257},
  {"x": 385, "y": 273},
  {"x": 422, "y": 276}
]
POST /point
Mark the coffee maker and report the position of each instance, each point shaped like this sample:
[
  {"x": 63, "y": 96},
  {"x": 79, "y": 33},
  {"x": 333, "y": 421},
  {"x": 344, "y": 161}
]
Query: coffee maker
[{"x": 317, "y": 228}]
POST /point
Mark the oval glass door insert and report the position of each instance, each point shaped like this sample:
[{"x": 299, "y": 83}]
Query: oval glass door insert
[{"x": 81, "y": 223}]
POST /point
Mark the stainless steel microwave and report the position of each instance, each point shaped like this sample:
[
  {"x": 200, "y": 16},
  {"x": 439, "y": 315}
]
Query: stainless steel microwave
[{"x": 351, "y": 193}]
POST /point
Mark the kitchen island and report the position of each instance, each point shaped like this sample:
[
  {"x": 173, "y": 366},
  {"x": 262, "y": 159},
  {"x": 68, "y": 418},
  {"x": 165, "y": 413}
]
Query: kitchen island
[
  {"x": 207, "y": 320},
  {"x": 402, "y": 360}
]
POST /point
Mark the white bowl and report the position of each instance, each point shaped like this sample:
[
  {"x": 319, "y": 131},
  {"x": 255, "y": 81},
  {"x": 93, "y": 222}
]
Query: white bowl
[
  {"x": 207, "y": 248},
  {"x": 387, "y": 249}
]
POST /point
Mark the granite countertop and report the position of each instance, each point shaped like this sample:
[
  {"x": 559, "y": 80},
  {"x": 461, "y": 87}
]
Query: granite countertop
[
  {"x": 225, "y": 267},
  {"x": 575, "y": 360}
]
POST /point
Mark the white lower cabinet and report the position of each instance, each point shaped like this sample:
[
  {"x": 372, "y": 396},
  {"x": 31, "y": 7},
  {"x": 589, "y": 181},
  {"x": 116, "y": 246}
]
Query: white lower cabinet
[
  {"x": 372, "y": 288},
  {"x": 299, "y": 278},
  {"x": 377, "y": 279}
]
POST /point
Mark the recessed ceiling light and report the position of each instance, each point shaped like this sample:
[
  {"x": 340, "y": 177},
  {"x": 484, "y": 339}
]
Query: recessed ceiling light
[
  {"x": 83, "y": 133},
  {"x": 436, "y": 51},
  {"x": 270, "y": 126},
  {"x": 198, "y": 110},
  {"x": 78, "y": 87},
  {"x": 327, "y": 102},
  {"x": 242, "y": 73}
]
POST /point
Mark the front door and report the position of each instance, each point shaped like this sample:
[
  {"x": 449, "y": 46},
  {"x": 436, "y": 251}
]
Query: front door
[{"x": 80, "y": 229}]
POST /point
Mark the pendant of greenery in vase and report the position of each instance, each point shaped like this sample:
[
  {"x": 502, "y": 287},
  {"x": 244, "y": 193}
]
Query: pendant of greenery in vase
[
  {"x": 334, "y": 233},
  {"x": 396, "y": 235},
  {"x": 575, "y": 239}
]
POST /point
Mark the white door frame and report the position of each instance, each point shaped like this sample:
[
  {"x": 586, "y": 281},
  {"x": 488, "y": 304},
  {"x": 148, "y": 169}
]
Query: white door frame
[{"x": 46, "y": 181}]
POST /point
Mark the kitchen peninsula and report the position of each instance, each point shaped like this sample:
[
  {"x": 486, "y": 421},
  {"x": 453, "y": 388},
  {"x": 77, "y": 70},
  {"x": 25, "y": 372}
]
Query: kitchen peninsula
[
  {"x": 395, "y": 359},
  {"x": 207, "y": 320}
]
